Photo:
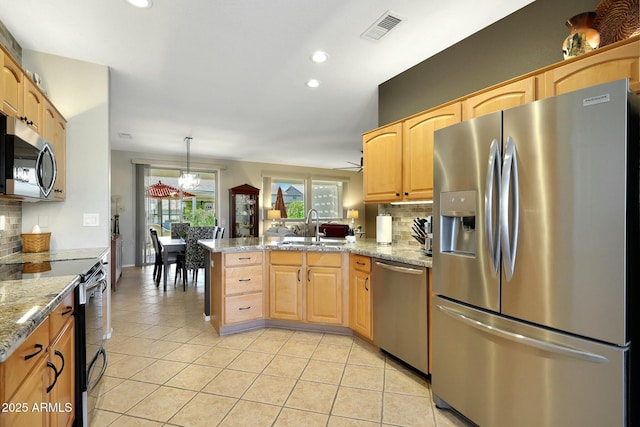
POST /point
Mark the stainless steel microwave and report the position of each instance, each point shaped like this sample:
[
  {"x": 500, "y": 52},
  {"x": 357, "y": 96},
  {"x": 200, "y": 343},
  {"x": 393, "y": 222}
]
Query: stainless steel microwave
[{"x": 27, "y": 162}]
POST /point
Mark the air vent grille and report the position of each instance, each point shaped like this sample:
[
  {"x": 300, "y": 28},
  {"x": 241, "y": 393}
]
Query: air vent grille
[{"x": 387, "y": 22}]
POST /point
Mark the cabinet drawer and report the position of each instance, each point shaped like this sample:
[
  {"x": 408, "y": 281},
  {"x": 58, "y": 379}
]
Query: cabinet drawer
[
  {"x": 240, "y": 280},
  {"x": 361, "y": 263},
  {"x": 242, "y": 308},
  {"x": 20, "y": 363},
  {"x": 286, "y": 257},
  {"x": 242, "y": 258},
  {"x": 324, "y": 259},
  {"x": 60, "y": 315}
]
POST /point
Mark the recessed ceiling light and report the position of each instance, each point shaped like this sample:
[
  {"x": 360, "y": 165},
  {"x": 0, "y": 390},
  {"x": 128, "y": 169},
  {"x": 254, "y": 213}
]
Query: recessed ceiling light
[
  {"x": 313, "y": 83},
  {"x": 319, "y": 56},
  {"x": 143, "y": 4}
]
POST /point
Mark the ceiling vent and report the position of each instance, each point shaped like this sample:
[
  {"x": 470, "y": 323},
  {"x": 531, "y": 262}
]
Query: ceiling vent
[{"x": 382, "y": 26}]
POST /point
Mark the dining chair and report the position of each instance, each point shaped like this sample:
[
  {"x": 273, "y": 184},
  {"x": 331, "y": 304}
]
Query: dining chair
[
  {"x": 195, "y": 255},
  {"x": 179, "y": 230},
  {"x": 219, "y": 233},
  {"x": 174, "y": 258}
]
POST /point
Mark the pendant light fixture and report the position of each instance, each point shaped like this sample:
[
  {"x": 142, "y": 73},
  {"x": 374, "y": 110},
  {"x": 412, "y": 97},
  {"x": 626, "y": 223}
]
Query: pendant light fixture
[{"x": 188, "y": 180}]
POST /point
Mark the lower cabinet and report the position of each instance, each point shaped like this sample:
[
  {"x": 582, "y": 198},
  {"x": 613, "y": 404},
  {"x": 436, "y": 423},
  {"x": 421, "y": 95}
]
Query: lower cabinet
[
  {"x": 360, "y": 296},
  {"x": 37, "y": 382},
  {"x": 306, "y": 286},
  {"x": 237, "y": 281}
]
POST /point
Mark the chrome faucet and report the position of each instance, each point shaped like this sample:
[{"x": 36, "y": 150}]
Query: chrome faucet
[{"x": 306, "y": 221}]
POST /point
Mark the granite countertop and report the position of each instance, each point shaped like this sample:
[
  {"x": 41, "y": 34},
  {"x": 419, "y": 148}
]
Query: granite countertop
[
  {"x": 40, "y": 295},
  {"x": 368, "y": 247},
  {"x": 19, "y": 297},
  {"x": 57, "y": 255}
]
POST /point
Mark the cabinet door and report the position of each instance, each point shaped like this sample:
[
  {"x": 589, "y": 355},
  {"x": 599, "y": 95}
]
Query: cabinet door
[
  {"x": 361, "y": 303},
  {"x": 599, "y": 67},
  {"x": 33, "y": 391},
  {"x": 285, "y": 292},
  {"x": 500, "y": 98},
  {"x": 324, "y": 295},
  {"x": 382, "y": 161},
  {"x": 33, "y": 105},
  {"x": 12, "y": 81},
  {"x": 62, "y": 395},
  {"x": 60, "y": 151},
  {"x": 418, "y": 135}
]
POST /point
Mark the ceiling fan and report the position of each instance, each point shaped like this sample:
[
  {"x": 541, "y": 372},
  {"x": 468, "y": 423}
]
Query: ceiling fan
[{"x": 355, "y": 166}]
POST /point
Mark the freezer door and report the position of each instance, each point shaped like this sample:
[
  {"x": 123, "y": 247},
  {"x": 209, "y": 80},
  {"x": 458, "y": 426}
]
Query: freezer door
[
  {"x": 465, "y": 226},
  {"x": 502, "y": 373},
  {"x": 567, "y": 212}
]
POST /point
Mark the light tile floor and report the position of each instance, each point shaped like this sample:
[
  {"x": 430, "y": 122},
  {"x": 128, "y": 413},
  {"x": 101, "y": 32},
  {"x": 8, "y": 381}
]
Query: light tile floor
[{"x": 168, "y": 367}]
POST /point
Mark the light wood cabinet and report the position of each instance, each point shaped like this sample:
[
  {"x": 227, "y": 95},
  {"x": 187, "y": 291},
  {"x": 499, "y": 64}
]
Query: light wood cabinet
[
  {"x": 33, "y": 105},
  {"x": 12, "y": 87},
  {"x": 398, "y": 159},
  {"x": 285, "y": 285},
  {"x": 237, "y": 288},
  {"x": 503, "y": 97},
  {"x": 360, "y": 296},
  {"x": 600, "y": 66},
  {"x": 37, "y": 382},
  {"x": 324, "y": 288},
  {"x": 382, "y": 164},
  {"x": 417, "y": 144},
  {"x": 306, "y": 286}
]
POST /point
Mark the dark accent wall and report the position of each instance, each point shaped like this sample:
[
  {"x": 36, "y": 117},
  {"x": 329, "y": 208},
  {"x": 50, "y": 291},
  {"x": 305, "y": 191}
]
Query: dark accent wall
[{"x": 529, "y": 39}]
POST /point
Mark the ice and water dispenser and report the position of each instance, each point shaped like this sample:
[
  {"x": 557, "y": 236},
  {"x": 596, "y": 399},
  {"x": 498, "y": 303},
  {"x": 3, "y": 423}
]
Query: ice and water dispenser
[{"x": 458, "y": 222}]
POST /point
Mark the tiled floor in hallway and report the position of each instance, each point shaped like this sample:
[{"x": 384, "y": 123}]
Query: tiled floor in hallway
[{"x": 168, "y": 367}]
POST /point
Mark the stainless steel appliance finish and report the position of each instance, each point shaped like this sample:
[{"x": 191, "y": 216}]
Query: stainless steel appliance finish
[
  {"x": 400, "y": 312},
  {"x": 91, "y": 352},
  {"x": 535, "y": 237},
  {"x": 27, "y": 162}
]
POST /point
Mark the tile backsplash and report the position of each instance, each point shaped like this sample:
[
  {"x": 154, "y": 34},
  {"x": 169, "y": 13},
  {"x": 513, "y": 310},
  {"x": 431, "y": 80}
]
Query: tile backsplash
[
  {"x": 402, "y": 220},
  {"x": 10, "y": 240}
]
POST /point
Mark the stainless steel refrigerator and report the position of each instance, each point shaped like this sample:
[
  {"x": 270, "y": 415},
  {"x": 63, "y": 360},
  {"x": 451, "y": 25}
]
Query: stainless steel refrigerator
[{"x": 535, "y": 259}]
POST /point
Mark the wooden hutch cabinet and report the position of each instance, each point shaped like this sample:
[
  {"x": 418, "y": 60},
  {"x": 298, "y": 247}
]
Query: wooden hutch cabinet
[{"x": 243, "y": 211}]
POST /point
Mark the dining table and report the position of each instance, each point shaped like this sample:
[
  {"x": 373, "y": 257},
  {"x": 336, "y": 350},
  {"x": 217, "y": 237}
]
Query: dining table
[{"x": 170, "y": 245}]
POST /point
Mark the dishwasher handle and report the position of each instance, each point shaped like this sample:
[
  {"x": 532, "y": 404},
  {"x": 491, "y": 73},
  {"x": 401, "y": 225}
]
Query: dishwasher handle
[{"x": 399, "y": 269}]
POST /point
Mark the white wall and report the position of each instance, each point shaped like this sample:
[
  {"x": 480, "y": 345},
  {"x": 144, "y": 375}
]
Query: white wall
[
  {"x": 232, "y": 173},
  {"x": 80, "y": 91}
]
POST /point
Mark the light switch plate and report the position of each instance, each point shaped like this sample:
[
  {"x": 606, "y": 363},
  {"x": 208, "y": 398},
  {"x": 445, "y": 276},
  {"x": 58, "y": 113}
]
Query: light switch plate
[
  {"x": 3, "y": 224},
  {"x": 91, "y": 220}
]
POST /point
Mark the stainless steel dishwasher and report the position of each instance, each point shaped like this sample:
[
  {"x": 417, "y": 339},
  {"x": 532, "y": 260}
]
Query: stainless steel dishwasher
[{"x": 400, "y": 312}]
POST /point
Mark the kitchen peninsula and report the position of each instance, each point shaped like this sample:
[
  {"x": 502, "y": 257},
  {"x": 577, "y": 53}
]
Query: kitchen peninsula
[{"x": 299, "y": 283}]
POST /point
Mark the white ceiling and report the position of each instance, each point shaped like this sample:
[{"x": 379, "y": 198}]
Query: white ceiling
[{"x": 231, "y": 73}]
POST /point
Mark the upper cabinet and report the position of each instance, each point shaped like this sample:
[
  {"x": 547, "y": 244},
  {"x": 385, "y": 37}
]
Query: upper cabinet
[
  {"x": 398, "y": 158},
  {"x": 382, "y": 164},
  {"x": 612, "y": 62},
  {"x": 503, "y": 97},
  {"x": 12, "y": 87},
  {"x": 417, "y": 143},
  {"x": 23, "y": 100}
]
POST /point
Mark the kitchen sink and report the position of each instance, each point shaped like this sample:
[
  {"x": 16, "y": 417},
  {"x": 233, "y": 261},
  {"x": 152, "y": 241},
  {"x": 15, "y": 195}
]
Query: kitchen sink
[{"x": 310, "y": 241}]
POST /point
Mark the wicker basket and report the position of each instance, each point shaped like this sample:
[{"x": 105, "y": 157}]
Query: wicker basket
[{"x": 35, "y": 242}]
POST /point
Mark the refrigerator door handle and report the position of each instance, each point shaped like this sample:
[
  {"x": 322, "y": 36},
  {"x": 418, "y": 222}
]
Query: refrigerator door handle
[
  {"x": 509, "y": 242},
  {"x": 523, "y": 339},
  {"x": 493, "y": 169}
]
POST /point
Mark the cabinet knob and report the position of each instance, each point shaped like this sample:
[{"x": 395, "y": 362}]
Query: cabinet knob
[
  {"x": 397, "y": 194},
  {"x": 406, "y": 194}
]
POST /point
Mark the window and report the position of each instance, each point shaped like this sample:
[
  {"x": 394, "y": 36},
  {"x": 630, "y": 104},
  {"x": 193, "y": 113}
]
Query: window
[
  {"x": 326, "y": 198},
  {"x": 299, "y": 195},
  {"x": 292, "y": 193}
]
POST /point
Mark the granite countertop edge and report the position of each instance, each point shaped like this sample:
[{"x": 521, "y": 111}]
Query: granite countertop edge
[
  {"x": 13, "y": 334},
  {"x": 367, "y": 247}
]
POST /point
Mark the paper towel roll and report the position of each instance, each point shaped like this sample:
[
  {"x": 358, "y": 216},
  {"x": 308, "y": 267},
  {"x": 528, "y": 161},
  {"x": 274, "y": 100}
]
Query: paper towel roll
[{"x": 384, "y": 230}]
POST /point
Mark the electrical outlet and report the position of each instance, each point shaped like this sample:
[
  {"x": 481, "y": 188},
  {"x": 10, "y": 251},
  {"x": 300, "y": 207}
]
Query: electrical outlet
[
  {"x": 91, "y": 220},
  {"x": 3, "y": 224}
]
